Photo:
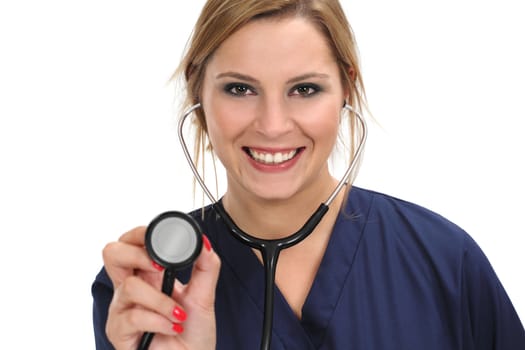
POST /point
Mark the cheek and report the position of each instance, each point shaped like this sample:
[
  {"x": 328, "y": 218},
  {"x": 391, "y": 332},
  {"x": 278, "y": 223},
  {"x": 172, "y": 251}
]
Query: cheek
[
  {"x": 224, "y": 124},
  {"x": 322, "y": 124},
  {"x": 216, "y": 138}
]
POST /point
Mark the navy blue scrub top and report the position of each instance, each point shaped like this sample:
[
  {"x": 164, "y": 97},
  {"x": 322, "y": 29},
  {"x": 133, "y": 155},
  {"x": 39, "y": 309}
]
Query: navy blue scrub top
[{"x": 394, "y": 276}]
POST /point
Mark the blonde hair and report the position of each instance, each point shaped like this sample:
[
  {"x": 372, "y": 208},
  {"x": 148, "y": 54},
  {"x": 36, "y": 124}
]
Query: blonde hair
[{"x": 219, "y": 19}]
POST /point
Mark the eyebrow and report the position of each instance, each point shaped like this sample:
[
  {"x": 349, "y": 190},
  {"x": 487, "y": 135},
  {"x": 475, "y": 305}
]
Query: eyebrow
[
  {"x": 237, "y": 76},
  {"x": 290, "y": 81}
]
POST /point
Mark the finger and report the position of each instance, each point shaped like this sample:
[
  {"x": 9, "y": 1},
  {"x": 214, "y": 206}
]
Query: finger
[
  {"x": 131, "y": 325},
  {"x": 179, "y": 290},
  {"x": 121, "y": 254},
  {"x": 134, "y": 236},
  {"x": 179, "y": 287},
  {"x": 122, "y": 260},
  {"x": 136, "y": 292},
  {"x": 138, "y": 320},
  {"x": 201, "y": 288}
]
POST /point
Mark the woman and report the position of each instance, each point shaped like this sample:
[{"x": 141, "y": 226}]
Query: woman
[{"x": 376, "y": 273}]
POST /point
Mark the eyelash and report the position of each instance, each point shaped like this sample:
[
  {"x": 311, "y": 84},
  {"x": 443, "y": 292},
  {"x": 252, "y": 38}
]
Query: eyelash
[
  {"x": 240, "y": 90},
  {"x": 311, "y": 89},
  {"x": 233, "y": 89}
]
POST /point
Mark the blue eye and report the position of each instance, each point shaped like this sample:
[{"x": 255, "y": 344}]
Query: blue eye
[
  {"x": 237, "y": 89},
  {"x": 305, "y": 90}
]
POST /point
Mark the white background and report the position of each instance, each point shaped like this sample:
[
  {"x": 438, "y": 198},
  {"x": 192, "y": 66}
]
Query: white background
[{"x": 88, "y": 144}]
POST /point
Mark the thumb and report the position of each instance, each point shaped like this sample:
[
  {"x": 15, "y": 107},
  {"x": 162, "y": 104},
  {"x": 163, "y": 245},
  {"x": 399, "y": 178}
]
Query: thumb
[{"x": 201, "y": 287}]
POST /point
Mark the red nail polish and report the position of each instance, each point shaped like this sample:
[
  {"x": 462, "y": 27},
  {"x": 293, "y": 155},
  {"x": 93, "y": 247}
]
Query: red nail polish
[
  {"x": 206, "y": 242},
  {"x": 179, "y": 313},
  {"x": 177, "y": 328},
  {"x": 157, "y": 266}
]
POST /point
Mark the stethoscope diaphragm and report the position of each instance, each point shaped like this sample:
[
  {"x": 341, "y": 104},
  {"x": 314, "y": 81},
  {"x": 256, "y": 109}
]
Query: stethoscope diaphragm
[{"x": 173, "y": 240}]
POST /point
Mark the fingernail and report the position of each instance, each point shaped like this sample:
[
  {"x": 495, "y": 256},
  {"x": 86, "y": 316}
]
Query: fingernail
[
  {"x": 177, "y": 328},
  {"x": 179, "y": 313},
  {"x": 157, "y": 266},
  {"x": 206, "y": 242}
]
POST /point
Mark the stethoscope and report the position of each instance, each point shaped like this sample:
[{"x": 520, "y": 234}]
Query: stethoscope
[{"x": 173, "y": 239}]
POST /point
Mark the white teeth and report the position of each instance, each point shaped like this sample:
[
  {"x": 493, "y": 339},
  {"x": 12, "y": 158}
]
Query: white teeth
[{"x": 272, "y": 158}]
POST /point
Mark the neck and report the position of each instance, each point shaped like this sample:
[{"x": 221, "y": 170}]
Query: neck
[{"x": 273, "y": 219}]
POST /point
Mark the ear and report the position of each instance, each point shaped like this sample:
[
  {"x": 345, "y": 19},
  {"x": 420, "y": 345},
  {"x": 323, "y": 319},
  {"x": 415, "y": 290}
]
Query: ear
[
  {"x": 352, "y": 76},
  {"x": 352, "y": 73}
]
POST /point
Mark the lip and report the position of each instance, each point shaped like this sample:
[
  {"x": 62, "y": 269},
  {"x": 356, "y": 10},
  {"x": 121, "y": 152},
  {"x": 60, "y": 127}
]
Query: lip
[
  {"x": 272, "y": 150},
  {"x": 274, "y": 168}
]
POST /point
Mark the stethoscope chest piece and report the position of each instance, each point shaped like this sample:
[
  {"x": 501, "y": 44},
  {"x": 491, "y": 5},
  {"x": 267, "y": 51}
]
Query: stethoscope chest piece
[{"x": 173, "y": 240}]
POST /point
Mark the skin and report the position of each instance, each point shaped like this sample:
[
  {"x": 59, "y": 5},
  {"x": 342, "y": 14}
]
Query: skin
[
  {"x": 273, "y": 86},
  {"x": 252, "y": 97},
  {"x": 139, "y": 306}
]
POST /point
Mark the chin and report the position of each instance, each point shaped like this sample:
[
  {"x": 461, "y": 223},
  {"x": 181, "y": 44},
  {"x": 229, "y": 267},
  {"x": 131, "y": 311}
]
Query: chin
[{"x": 275, "y": 192}]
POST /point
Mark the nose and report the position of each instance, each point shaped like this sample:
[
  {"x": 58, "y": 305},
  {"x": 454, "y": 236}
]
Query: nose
[{"x": 273, "y": 118}]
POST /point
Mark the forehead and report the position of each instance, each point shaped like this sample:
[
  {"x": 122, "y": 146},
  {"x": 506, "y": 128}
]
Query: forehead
[{"x": 272, "y": 44}]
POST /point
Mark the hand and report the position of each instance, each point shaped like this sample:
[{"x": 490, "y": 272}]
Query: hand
[{"x": 186, "y": 320}]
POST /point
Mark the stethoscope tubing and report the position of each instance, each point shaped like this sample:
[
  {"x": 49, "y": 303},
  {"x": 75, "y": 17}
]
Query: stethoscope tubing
[
  {"x": 168, "y": 282},
  {"x": 270, "y": 249}
]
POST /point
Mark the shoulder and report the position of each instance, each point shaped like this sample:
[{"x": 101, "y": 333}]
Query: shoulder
[
  {"x": 401, "y": 214},
  {"x": 398, "y": 208},
  {"x": 421, "y": 256},
  {"x": 409, "y": 226},
  {"x": 420, "y": 236}
]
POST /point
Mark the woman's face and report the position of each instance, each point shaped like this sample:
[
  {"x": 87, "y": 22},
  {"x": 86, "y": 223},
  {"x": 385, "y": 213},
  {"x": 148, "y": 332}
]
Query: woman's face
[{"x": 272, "y": 97}]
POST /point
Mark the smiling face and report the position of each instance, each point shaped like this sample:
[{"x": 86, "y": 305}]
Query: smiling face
[{"x": 272, "y": 96}]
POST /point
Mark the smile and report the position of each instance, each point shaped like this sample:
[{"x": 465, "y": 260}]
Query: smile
[{"x": 272, "y": 158}]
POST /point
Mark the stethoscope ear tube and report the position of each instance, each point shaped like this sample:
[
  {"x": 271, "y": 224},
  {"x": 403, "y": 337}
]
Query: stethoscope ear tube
[
  {"x": 270, "y": 249},
  {"x": 345, "y": 179}
]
